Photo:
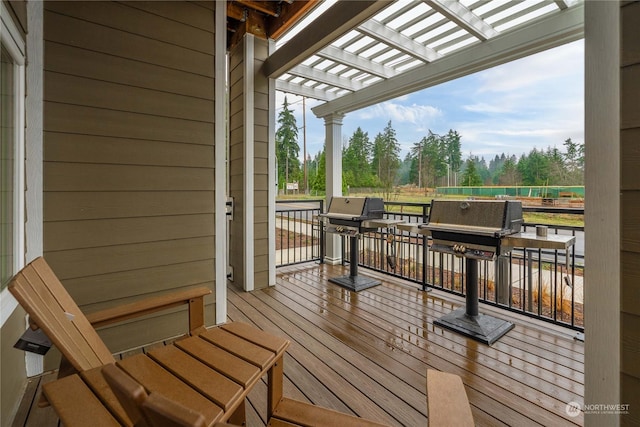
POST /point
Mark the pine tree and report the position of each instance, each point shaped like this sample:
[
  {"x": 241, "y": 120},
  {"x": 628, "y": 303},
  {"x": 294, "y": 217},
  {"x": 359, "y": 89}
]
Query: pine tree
[{"x": 287, "y": 148}]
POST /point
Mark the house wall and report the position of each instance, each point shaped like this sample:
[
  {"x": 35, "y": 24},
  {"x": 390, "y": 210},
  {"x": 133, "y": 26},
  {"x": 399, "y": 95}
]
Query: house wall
[
  {"x": 630, "y": 206},
  {"x": 129, "y": 155},
  {"x": 249, "y": 181},
  {"x": 12, "y": 361}
]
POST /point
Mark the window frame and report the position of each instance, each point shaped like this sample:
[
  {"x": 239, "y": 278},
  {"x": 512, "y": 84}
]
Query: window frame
[{"x": 11, "y": 39}]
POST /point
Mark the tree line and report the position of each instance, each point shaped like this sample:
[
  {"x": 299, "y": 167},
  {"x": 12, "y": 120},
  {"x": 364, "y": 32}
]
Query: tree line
[{"x": 435, "y": 160}]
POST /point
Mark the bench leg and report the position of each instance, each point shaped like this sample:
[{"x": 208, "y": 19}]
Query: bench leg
[
  {"x": 239, "y": 416},
  {"x": 275, "y": 379}
]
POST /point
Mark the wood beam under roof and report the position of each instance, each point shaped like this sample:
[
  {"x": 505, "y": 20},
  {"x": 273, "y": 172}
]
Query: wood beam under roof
[
  {"x": 264, "y": 19},
  {"x": 552, "y": 31},
  {"x": 328, "y": 27}
]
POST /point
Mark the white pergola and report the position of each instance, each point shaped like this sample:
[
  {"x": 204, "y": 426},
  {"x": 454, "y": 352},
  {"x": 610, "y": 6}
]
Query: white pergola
[{"x": 359, "y": 53}]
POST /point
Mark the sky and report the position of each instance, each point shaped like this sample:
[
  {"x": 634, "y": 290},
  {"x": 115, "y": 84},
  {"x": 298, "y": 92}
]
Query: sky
[{"x": 535, "y": 102}]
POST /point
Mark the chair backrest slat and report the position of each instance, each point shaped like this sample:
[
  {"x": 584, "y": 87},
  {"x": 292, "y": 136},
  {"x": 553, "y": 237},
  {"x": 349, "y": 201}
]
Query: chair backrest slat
[{"x": 43, "y": 296}]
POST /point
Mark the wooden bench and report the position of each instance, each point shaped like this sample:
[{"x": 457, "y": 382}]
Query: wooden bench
[{"x": 447, "y": 401}]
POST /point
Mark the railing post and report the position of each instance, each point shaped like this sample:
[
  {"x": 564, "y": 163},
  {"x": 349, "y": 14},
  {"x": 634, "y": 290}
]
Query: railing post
[
  {"x": 321, "y": 228},
  {"x": 502, "y": 280}
]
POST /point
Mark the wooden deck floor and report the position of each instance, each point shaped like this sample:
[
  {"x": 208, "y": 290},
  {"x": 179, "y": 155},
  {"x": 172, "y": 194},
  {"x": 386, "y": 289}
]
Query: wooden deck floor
[{"x": 367, "y": 354}]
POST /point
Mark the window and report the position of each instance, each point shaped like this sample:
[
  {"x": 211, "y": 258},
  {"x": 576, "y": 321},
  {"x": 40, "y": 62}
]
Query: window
[{"x": 12, "y": 92}]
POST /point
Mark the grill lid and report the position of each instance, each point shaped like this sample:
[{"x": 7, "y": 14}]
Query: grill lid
[
  {"x": 355, "y": 209},
  {"x": 495, "y": 218}
]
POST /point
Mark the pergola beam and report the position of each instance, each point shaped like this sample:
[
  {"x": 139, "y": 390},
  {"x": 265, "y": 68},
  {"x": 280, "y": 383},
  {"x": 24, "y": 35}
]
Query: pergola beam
[
  {"x": 330, "y": 79},
  {"x": 307, "y": 91},
  {"x": 336, "y": 21},
  {"x": 542, "y": 34},
  {"x": 463, "y": 17},
  {"x": 384, "y": 34},
  {"x": 349, "y": 59}
]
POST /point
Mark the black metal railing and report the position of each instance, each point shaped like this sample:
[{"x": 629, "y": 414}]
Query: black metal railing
[
  {"x": 299, "y": 234},
  {"x": 545, "y": 284}
]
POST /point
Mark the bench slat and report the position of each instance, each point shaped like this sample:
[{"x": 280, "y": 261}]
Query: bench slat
[
  {"x": 155, "y": 378},
  {"x": 238, "y": 370},
  {"x": 212, "y": 384},
  {"x": 72, "y": 393},
  {"x": 252, "y": 353},
  {"x": 257, "y": 336}
]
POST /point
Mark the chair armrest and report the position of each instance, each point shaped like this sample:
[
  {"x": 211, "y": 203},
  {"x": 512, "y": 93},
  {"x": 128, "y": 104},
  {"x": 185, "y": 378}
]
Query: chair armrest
[{"x": 194, "y": 297}]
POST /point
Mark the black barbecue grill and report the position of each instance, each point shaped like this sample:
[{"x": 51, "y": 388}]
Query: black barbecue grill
[
  {"x": 475, "y": 230},
  {"x": 352, "y": 216}
]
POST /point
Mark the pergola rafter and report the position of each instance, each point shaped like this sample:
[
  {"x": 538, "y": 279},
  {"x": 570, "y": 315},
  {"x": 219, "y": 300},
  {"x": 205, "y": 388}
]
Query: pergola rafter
[{"x": 392, "y": 45}]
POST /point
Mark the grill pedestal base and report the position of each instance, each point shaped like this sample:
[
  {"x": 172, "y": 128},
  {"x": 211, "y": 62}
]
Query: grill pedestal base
[
  {"x": 353, "y": 282},
  {"x": 482, "y": 327},
  {"x": 357, "y": 283},
  {"x": 468, "y": 321}
]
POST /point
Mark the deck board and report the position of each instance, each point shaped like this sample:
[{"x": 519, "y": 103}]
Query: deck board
[{"x": 367, "y": 353}]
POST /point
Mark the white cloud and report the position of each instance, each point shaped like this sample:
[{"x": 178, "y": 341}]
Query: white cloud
[{"x": 398, "y": 113}]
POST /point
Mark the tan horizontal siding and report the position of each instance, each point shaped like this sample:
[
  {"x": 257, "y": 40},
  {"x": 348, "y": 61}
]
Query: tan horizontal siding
[
  {"x": 129, "y": 155},
  {"x": 126, "y": 18},
  {"x": 127, "y": 284},
  {"x": 80, "y": 33},
  {"x": 77, "y": 148},
  {"x": 80, "y": 91},
  {"x": 96, "y": 121},
  {"x": 73, "y": 60},
  {"x": 630, "y": 298},
  {"x": 109, "y": 177},
  {"x": 81, "y": 205},
  {"x": 191, "y": 13},
  {"x": 630, "y": 203},
  {"x": 71, "y": 264},
  {"x": 65, "y": 235}
]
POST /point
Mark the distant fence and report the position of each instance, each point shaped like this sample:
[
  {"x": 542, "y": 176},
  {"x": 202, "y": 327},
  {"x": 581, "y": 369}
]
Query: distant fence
[{"x": 554, "y": 192}]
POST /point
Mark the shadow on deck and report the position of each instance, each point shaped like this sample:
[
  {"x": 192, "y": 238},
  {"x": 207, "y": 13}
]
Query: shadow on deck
[{"x": 367, "y": 354}]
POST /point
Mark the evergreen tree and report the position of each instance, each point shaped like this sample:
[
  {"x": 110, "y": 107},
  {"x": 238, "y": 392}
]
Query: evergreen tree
[
  {"x": 453, "y": 155},
  {"x": 318, "y": 180},
  {"x": 574, "y": 161},
  {"x": 287, "y": 148},
  {"x": 355, "y": 160},
  {"x": 470, "y": 175},
  {"x": 386, "y": 158},
  {"x": 509, "y": 174}
]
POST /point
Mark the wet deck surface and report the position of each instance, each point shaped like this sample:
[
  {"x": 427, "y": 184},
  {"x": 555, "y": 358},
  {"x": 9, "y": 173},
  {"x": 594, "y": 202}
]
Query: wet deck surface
[{"x": 367, "y": 354}]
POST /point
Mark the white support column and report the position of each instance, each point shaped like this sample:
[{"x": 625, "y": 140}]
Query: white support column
[
  {"x": 333, "y": 165},
  {"x": 220, "y": 162},
  {"x": 248, "y": 156},
  {"x": 34, "y": 151},
  {"x": 273, "y": 189},
  {"x": 602, "y": 211}
]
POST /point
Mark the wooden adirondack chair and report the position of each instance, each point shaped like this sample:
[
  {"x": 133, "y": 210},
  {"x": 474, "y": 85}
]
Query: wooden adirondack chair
[
  {"x": 51, "y": 308},
  {"x": 167, "y": 383},
  {"x": 210, "y": 372}
]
